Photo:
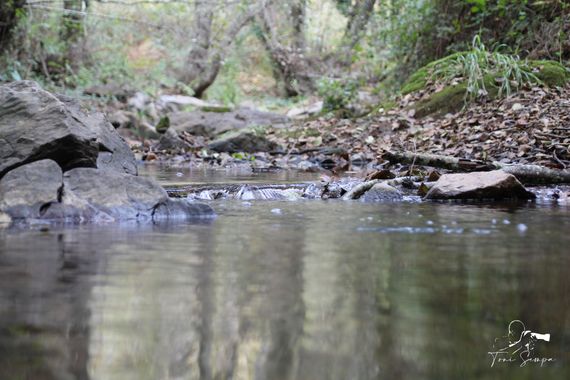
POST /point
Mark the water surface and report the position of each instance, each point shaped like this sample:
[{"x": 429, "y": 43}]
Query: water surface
[{"x": 288, "y": 290}]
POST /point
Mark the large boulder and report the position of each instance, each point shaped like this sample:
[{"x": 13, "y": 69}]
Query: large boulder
[
  {"x": 119, "y": 195},
  {"x": 36, "y": 125},
  {"x": 212, "y": 124},
  {"x": 478, "y": 185}
]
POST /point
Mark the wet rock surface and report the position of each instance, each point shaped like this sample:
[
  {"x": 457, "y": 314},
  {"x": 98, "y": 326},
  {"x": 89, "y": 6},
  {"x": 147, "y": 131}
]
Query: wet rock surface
[
  {"x": 382, "y": 192},
  {"x": 479, "y": 185}
]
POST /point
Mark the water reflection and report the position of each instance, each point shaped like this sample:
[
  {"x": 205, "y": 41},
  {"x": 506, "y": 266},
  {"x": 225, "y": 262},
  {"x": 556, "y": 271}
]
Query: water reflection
[
  {"x": 324, "y": 290},
  {"x": 175, "y": 175}
]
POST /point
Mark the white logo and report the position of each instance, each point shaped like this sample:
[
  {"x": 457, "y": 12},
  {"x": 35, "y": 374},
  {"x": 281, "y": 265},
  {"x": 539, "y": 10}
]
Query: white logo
[{"x": 518, "y": 346}]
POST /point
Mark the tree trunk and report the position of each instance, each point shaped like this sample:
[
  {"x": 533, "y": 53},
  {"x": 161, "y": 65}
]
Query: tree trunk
[
  {"x": 298, "y": 16},
  {"x": 205, "y": 58},
  {"x": 289, "y": 64},
  {"x": 198, "y": 62},
  {"x": 9, "y": 12}
]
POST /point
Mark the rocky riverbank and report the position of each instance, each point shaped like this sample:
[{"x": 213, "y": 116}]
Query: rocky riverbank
[
  {"x": 63, "y": 163},
  {"x": 59, "y": 162},
  {"x": 528, "y": 127}
]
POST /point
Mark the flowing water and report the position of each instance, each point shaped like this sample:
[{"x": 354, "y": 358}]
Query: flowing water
[{"x": 290, "y": 290}]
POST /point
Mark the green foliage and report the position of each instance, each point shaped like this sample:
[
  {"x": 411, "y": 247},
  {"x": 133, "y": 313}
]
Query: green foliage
[
  {"x": 477, "y": 64},
  {"x": 551, "y": 73},
  {"x": 409, "y": 34},
  {"x": 163, "y": 124},
  {"x": 337, "y": 94}
]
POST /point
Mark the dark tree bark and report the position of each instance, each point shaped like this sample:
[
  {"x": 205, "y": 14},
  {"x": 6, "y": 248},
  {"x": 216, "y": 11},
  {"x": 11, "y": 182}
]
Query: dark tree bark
[{"x": 9, "y": 12}]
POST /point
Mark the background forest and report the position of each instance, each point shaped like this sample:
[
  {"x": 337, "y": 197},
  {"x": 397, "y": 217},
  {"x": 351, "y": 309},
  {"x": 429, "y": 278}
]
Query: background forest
[{"x": 234, "y": 50}]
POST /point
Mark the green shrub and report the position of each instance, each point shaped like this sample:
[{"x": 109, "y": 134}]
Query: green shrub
[{"x": 337, "y": 94}]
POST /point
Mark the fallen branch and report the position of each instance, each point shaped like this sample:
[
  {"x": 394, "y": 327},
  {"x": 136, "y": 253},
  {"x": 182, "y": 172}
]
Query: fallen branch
[
  {"x": 527, "y": 174},
  {"x": 536, "y": 174},
  {"x": 359, "y": 189},
  {"x": 438, "y": 161}
]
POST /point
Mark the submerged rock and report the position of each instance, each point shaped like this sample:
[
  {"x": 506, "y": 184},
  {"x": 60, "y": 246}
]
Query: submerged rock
[
  {"x": 35, "y": 125},
  {"x": 479, "y": 185},
  {"x": 243, "y": 141}
]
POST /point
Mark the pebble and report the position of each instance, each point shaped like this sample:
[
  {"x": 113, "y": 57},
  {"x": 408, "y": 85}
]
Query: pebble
[
  {"x": 276, "y": 211},
  {"x": 521, "y": 227}
]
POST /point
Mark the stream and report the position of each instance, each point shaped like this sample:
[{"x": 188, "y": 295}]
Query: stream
[{"x": 289, "y": 290}]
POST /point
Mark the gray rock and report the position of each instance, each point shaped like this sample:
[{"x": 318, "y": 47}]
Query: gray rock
[
  {"x": 179, "y": 209},
  {"x": 36, "y": 125},
  {"x": 28, "y": 191},
  {"x": 243, "y": 141},
  {"x": 119, "y": 195},
  {"x": 479, "y": 185},
  {"x": 303, "y": 112},
  {"x": 382, "y": 192},
  {"x": 170, "y": 141},
  {"x": 40, "y": 191},
  {"x": 212, "y": 124},
  {"x": 125, "y": 197}
]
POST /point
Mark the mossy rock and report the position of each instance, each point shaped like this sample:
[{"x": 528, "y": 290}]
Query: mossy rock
[
  {"x": 551, "y": 73},
  {"x": 452, "y": 98},
  {"x": 418, "y": 80}
]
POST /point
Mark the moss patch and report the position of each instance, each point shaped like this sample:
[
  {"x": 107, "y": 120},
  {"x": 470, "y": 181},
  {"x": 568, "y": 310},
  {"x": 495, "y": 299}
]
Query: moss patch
[
  {"x": 419, "y": 79},
  {"x": 219, "y": 109},
  {"x": 416, "y": 82},
  {"x": 452, "y": 98},
  {"x": 551, "y": 73}
]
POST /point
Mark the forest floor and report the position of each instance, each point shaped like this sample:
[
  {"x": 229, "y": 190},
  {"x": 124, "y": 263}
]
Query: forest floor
[{"x": 529, "y": 127}]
